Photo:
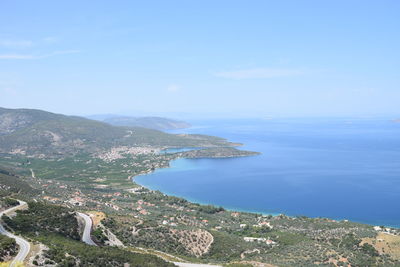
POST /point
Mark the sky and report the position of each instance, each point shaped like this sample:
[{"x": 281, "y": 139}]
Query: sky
[{"x": 205, "y": 58}]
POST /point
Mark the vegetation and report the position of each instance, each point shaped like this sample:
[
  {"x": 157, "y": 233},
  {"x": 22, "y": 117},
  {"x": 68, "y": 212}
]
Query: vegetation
[
  {"x": 57, "y": 227},
  {"x": 226, "y": 247},
  {"x": 80, "y": 254},
  {"x": 9, "y": 202},
  {"x": 210, "y": 209},
  {"x": 8, "y": 248},
  {"x": 45, "y": 219},
  {"x": 99, "y": 236},
  {"x": 39, "y": 133},
  {"x": 217, "y": 152},
  {"x": 13, "y": 184}
]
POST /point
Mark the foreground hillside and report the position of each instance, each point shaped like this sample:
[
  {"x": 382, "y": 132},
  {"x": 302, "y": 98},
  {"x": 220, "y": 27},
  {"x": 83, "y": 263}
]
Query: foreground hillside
[
  {"x": 130, "y": 217},
  {"x": 54, "y": 234},
  {"x": 134, "y": 226}
]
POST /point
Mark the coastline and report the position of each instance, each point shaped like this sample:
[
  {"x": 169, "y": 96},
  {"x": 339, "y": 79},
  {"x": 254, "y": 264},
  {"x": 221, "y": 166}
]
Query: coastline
[
  {"x": 236, "y": 209},
  {"x": 233, "y": 209},
  {"x": 287, "y": 155}
]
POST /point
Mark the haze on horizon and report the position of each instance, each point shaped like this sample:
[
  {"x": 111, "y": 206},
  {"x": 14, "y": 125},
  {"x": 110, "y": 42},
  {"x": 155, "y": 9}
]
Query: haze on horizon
[{"x": 217, "y": 58}]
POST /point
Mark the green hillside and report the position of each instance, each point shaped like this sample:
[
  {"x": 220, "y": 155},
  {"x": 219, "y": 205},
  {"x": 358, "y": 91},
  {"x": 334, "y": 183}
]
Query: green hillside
[
  {"x": 40, "y": 133},
  {"x": 11, "y": 183}
]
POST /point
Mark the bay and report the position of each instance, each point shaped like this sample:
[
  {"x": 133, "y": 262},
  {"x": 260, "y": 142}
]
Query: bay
[{"x": 337, "y": 168}]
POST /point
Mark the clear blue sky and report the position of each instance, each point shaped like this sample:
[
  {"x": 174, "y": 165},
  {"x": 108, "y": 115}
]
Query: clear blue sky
[{"x": 242, "y": 58}]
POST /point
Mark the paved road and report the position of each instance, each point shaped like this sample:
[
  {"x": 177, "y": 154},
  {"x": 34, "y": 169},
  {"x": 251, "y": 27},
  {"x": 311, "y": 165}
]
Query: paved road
[
  {"x": 24, "y": 246},
  {"x": 183, "y": 264},
  {"x": 88, "y": 228}
]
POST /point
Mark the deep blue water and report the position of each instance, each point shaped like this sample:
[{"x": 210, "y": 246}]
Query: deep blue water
[{"x": 335, "y": 168}]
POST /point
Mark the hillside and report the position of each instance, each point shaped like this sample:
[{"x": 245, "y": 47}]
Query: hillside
[
  {"x": 148, "y": 224},
  {"x": 11, "y": 183},
  {"x": 156, "y": 123},
  {"x": 41, "y": 133},
  {"x": 57, "y": 229}
]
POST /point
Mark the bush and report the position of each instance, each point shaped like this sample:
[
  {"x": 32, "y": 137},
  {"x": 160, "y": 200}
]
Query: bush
[
  {"x": 8, "y": 247},
  {"x": 45, "y": 218},
  {"x": 210, "y": 209},
  {"x": 10, "y": 202}
]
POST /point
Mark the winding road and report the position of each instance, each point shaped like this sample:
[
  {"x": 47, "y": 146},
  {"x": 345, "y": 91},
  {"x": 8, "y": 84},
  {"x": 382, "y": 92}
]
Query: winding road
[
  {"x": 88, "y": 240},
  {"x": 88, "y": 228},
  {"x": 24, "y": 246}
]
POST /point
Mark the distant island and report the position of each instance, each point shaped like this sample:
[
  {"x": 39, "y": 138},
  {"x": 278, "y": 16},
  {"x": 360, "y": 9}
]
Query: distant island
[
  {"x": 217, "y": 152},
  {"x": 156, "y": 123}
]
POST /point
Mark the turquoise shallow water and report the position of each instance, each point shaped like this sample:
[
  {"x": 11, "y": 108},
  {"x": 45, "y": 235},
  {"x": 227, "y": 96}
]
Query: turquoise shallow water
[{"x": 336, "y": 168}]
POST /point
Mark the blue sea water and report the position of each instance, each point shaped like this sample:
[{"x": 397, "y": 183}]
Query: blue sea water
[{"x": 335, "y": 168}]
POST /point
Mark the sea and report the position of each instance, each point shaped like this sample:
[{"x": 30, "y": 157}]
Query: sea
[{"x": 338, "y": 168}]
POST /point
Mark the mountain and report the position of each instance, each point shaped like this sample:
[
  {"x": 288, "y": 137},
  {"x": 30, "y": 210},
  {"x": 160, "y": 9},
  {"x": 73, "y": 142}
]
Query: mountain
[
  {"x": 157, "y": 123},
  {"x": 41, "y": 133}
]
